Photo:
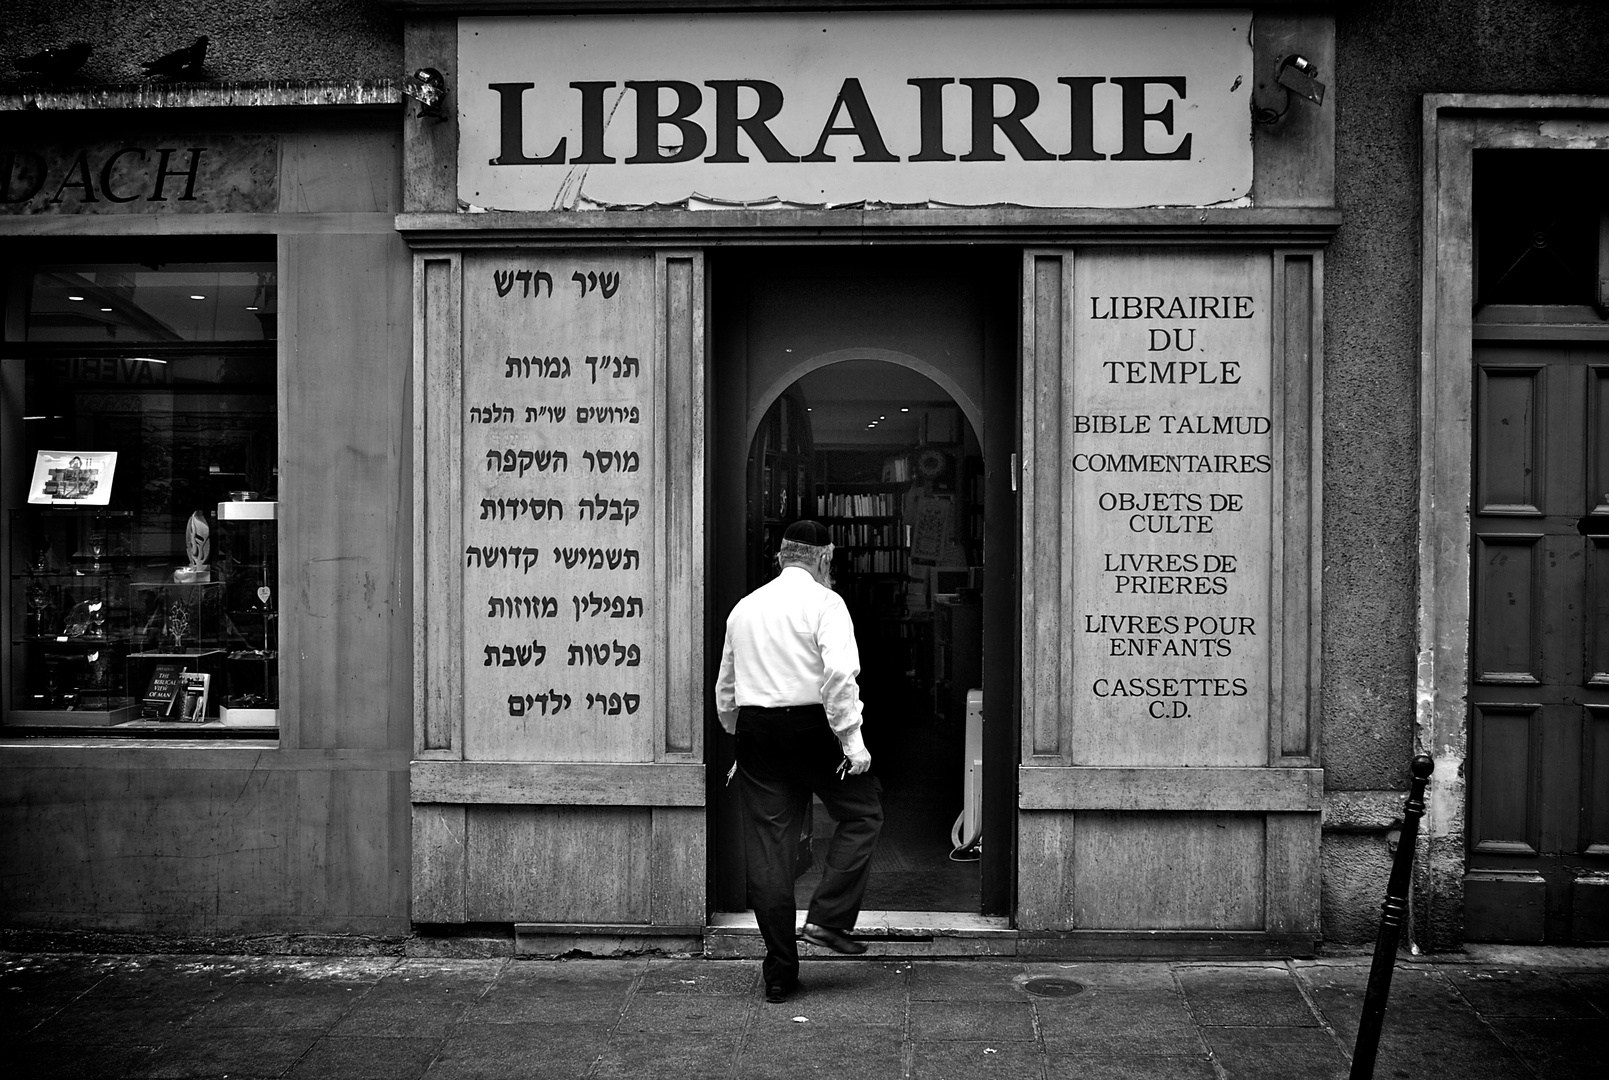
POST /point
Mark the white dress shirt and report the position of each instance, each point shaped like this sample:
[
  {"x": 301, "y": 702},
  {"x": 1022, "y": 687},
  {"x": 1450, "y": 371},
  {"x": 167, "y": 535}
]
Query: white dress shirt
[{"x": 791, "y": 642}]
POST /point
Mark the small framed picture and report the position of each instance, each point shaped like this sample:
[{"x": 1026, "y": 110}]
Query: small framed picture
[
  {"x": 193, "y": 703},
  {"x": 72, "y": 478}
]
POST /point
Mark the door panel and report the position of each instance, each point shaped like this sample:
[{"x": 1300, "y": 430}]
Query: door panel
[
  {"x": 1508, "y": 438},
  {"x": 1540, "y": 537},
  {"x": 1169, "y": 508},
  {"x": 1168, "y": 871},
  {"x": 1596, "y": 609},
  {"x": 1595, "y": 781},
  {"x": 1503, "y": 751},
  {"x": 558, "y": 509},
  {"x": 1506, "y": 569}
]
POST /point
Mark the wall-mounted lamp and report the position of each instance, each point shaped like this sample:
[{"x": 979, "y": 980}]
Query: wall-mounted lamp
[
  {"x": 1297, "y": 75},
  {"x": 428, "y": 87}
]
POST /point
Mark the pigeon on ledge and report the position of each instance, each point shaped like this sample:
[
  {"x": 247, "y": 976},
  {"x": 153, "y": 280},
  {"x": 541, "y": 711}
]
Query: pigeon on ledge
[
  {"x": 180, "y": 63},
  {"x": 55, "y": 63}
]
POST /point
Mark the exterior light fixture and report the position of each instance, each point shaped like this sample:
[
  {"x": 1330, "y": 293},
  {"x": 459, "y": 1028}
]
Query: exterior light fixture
[
  {"x": 197, "y": 296},
  {"x": 75, "y": 298},
  {"x": 1294, "y": 74},
  {"x": 428, "y": 87}
]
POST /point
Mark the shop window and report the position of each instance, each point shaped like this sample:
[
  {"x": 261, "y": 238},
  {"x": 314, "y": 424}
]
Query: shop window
[
  {"x": 140, "y": 485},
  {"x": 1541, "y": 217}
]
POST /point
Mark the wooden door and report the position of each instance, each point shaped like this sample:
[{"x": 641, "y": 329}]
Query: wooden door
[
  {"x": 1539, "y": 672},
  {"x": 1169, "y": 792}
]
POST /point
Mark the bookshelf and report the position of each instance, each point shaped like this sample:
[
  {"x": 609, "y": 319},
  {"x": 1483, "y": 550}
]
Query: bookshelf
[{"x": 781, "y": 480}]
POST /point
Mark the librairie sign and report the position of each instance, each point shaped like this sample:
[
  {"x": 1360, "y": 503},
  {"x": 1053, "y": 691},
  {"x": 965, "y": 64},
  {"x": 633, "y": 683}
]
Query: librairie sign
[{"x": 1047, "y": 109}]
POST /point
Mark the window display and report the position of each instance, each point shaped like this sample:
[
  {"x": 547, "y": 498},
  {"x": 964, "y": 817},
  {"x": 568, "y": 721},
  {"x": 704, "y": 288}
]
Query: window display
[{"x": 140, "y": 484}]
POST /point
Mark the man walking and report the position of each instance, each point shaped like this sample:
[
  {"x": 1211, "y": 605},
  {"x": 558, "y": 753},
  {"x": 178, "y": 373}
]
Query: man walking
[{"x": 787, "y": 690}]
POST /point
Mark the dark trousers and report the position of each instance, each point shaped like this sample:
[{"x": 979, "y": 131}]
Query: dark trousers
[{"x": 783, "y": 756}]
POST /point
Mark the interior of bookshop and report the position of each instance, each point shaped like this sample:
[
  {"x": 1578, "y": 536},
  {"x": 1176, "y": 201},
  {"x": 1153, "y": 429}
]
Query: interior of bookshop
[
  {"x": 885, "y": 459},
  {"x": 138, "y": 491}
]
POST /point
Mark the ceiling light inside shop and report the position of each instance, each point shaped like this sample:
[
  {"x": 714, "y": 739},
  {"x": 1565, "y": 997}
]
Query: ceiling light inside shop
[
  {"x": 197, "y": 296},
  {"x": 75, "y": 298}
]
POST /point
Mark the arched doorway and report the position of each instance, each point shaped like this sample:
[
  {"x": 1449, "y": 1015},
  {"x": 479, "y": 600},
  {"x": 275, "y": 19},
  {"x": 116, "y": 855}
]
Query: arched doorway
[
  {"x": 885, "y": 458},
  {"x": 818, "y": 339}
]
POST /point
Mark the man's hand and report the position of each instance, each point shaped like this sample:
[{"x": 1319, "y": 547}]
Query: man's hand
[{"x": 859, "y": 761}]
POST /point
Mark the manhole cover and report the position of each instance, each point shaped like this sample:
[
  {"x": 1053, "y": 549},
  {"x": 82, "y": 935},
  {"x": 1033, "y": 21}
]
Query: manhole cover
[{"x": 1053, "y": 987}]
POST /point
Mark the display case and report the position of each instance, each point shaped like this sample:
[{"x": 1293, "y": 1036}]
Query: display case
[
  {"x": 70, "y": 616},
  {"x": 248, "y": 560},
  {"x": 103, "y": 633}
]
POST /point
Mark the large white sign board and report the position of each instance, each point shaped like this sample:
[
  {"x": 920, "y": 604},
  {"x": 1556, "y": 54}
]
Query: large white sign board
[
  {"x": 1041, "y": 108},
  {"x": 559, "y": 507},
  {"x": 1172, "y": 464}
]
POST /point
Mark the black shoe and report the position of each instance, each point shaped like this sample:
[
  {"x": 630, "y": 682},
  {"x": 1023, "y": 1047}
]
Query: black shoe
[
  {"x": 836, "y": 940},
  {"x": 777, "y": 993}
]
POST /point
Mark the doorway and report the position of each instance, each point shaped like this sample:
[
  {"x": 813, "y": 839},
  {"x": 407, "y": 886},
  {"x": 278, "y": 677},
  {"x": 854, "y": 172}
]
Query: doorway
[
  {"x": 876, "y": 394},
  {"x": 1539, "y": 544}
]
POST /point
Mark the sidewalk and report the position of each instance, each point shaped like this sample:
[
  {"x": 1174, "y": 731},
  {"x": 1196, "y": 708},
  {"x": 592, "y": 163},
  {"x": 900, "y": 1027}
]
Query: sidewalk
[{"x": 1488, "y": 1014}]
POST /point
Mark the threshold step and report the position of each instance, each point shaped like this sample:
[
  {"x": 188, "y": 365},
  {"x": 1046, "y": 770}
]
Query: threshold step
[{"x": 735, "y": 935}]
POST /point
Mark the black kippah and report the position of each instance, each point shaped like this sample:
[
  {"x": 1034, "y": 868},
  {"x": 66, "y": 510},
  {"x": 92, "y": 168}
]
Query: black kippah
[{"x": 813, "y": 533}]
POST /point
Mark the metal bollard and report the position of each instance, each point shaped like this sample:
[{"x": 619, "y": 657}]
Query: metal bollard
[{"x": 1393, "y": 911}]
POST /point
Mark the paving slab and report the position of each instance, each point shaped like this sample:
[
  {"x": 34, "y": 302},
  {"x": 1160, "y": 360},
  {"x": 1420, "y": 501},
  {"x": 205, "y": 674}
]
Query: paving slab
[
  {"x": 419, "y": 998},
  {"x": 552, "y": 978},
  {"x": 998, "y": 1020},
  {"x": 692, "y": 1053},
  {"x": 819, "y": 1005},
  {"x": 1107, "y": 976},
  {"x": 1278, "y": 1053},
  {"x": 491, "y": 1051},
  {"x": 700, "y": 977},
  {"x": 32, "y": 990},
  {"x": 964, "y": 1059},
  {"x": 279, "y": 1005},
  {"x": 124, "y": 1018},
  {"x": 819, "y": 1050},
  {"x": 685, "y": 1012},
  {"x": 1520, "y": 992},
  {"x": 1246, "y": 995},
  {"x": 1131, "y": 1066},
  {"x": 1157, "y": 1022},
  {"x": 85, "y": 1060},
  {"x": 366, "y": 1057},
  {"x": 1593, "y": 985},
  {"x": 525, "y": 993},
  {"x": 1420, "y": 991},
  {"x": 939, "y": 980},
  {"x": 198, "y": 1052},
  {"x": 1424, "y": 1045},
  {"x": 1559, "y": 1049}
]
